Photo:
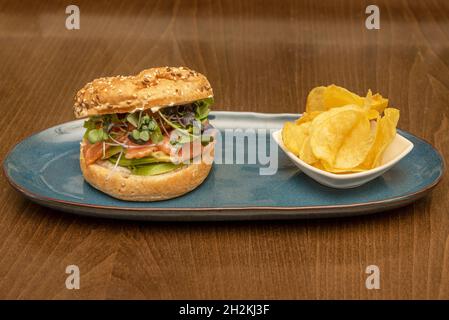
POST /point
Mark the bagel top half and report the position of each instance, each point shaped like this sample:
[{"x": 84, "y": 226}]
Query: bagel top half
[{"x": 151, "y": 88}]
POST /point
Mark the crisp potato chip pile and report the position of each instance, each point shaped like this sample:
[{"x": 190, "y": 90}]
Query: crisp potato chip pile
[{"x": 341, "y": 132}]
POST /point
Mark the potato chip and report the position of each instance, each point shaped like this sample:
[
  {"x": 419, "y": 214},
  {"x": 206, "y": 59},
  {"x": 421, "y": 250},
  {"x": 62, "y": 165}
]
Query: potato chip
[
  {"x": 375, "y": 102},
  {"x": 328, "y": 131},
  {"x": 300, "y": 143},
  {"x": 315, "y": 100},
  {"x": 341, "y": 137},
  {"x": 319, "y": 165},
  {"x": 306, "y": 153},
  {"x": 385, "y": 133},
  {"x": 356, "y": 145},
  {"x": 372, "y": 114},
  {"x": 327, "y": 167},
  {"x": 336, "y": 96},
  {"x": 307, "y": 116},
  {"x": 325, "y": 98},
  {"x": 294, "y": 136}
]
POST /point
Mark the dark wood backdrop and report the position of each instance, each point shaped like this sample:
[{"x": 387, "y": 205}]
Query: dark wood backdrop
[{"x": 259, "y": 56}]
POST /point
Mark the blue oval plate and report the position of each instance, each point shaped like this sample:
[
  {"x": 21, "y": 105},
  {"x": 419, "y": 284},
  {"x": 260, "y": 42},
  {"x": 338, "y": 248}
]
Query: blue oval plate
[{"x": 45, "y": 168}]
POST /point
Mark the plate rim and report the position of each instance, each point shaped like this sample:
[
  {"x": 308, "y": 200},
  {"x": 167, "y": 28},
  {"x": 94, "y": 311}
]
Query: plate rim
[
  {"x": 368, "y": 205},
  {"x": 326, "y": 208}
]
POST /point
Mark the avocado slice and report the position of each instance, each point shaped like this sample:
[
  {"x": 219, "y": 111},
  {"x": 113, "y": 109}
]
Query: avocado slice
[
  {"x": 155, "y": 169},
  {"x": 112, "y": 151}
]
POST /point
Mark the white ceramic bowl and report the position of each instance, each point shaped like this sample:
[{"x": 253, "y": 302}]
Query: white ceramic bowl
[{"x": 397, "y": 150}]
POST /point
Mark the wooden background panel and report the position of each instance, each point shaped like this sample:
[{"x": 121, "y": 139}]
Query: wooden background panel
[{"x": 259, "y": 56}]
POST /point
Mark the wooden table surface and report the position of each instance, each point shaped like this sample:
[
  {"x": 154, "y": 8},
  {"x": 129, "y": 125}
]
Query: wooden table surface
[{"x": 259, "y": 56}]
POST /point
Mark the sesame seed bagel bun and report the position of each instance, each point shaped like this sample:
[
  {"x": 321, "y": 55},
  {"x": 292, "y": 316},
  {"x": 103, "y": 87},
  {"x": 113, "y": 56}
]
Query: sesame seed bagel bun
[
  {"x": 120, "y": 183},
  {"x": 151, "y": 88}
]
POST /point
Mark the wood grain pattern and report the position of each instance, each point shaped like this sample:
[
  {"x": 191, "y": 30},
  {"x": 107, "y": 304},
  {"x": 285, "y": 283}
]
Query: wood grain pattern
[{"x": 259, "y": 56}]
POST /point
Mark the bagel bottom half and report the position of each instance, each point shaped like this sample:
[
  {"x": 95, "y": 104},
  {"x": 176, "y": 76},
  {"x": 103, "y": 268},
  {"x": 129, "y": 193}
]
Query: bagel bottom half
[{"x": 121, "y": 184}]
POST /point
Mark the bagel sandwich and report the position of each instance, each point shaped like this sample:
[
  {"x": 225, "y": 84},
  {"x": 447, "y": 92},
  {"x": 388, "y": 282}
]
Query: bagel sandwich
[{"x": 148, "y": 136}]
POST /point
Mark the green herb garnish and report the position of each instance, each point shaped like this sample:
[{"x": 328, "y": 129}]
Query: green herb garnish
[
  {"x": 97, "y": 125},
  {"x": 202, "y": 108},
  {"x": 146, "y": 128},
  {"x": 96, "y": 135}
]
